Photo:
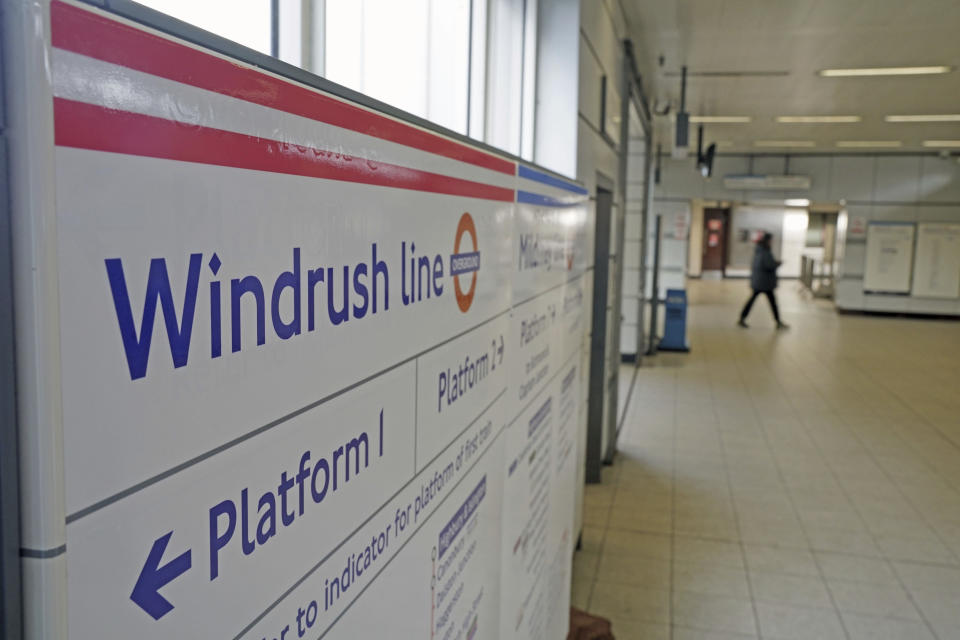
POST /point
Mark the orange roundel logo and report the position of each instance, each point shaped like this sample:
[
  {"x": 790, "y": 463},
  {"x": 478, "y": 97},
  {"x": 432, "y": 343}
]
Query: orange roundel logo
[{"x": 465, "y": 262}]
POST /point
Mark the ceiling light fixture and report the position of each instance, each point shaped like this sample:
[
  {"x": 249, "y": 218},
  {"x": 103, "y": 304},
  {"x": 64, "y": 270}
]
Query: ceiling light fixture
[
  {"x": 784, "y": 143},
  {"x": 942, "y": 144},
  {"x": 720, "y": 119},
  {"x": 869, "y": 144},
  {"x": 884, "y": 71},
  {"x": 943, "y": 117},
  {"x": 816, "y": 119},
  {"x": 797, "y": 202}
]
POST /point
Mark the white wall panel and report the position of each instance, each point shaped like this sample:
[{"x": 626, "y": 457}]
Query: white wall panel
[
  {"x": 818, "y": 169},
  {"x": 851, "y": 178},
  {"x": 897, "y": 179},
  {"x": 940, "y": 181},
  {"x": 854, "y": 259},
  {"x": 679, "y": 179},
  {"x": 894, "y": 212},
  {"x": 589, "y": 89}
]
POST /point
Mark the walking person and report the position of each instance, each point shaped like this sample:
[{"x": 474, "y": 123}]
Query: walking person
[{"x": 763, "y": 279}]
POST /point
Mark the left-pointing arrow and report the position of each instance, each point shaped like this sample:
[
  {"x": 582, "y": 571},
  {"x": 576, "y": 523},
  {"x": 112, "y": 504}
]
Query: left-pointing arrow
[{"x": 153, "y": 577}]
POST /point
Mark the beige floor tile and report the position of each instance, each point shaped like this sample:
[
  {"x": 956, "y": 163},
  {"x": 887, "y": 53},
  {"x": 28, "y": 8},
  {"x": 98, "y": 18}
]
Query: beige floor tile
[
  {"x": 591, "y": 539},
  {"x": 640, "y": 501},
  {"x": 884, "y": 525},
  {"x": 781, "y": 560},
  {"x": 840, "y": 541},
  {"x": 856, "y": 568},
  {"x": 585, "y": 565},
  {"x": 815, "y": 455},
  {"x": 627, "y": 629},
  {"x": 871, "y": 599},
  {"x": 941, "y": 610},
  {"x": 790, "y": 589},
  {"x": 680, "y": 633},
  {"x": 773, "y": 534},
  {"x": 580, "y": 592},
  {"x": 927, "y": 549},
  {"x": 623, "y": 602},
  {"x": 878, "y": 628},
  {"x": 699, "y": 550},
  {"x": 660, "y": 521},
  {"x": 596, "y": 515},
  {"x": 831, "y": 519},
  {"x": 788, "y": 622},
  {"x": 929, "y": 577},
  {"x": 723, "y": 528},
  {"x": 710, "y": 579},
  {"x": 623, "y": 542},
  {"x": 713, "y": 613},
  {"x": 635, "y": 571},
  {"x": 598, "y": 494}
]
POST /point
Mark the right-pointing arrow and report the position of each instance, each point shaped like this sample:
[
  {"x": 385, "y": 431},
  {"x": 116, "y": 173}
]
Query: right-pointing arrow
[{"x": 153, "y": 577}]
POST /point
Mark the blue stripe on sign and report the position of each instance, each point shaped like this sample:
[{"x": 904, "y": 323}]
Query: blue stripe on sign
[
  {"x": 539, "y": 176},
  {"x": 464, "y": 263},
  {"x": 528, "y": 197},
  {"x": 460, "y": 519}
]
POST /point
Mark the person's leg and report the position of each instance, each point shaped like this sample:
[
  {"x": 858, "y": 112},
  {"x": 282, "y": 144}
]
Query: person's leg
[
  {"x": 773, "y": 306},
  {"x": 746, "y": 307}
]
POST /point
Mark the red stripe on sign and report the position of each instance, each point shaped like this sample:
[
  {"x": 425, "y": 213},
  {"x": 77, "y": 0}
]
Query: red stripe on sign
[
  {"x": 89, "y": 126},
  {"x": 91, "y": 34}
]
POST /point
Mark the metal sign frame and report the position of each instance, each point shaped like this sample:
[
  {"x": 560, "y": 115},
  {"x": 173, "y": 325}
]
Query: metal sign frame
[{"x": 10, "y": 589}]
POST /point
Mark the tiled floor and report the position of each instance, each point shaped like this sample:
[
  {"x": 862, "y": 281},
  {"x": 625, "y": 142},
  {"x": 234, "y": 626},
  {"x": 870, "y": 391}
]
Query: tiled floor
[{"x": 801, "y": 484}]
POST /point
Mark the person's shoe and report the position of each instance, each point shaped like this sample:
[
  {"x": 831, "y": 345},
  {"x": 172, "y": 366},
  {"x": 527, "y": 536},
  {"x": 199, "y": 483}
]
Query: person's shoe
[
  {"x": 742, "y": 323},
  {"x": 782, "y": 325}
]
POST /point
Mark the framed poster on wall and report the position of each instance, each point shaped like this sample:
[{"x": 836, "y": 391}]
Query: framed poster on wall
[
  {"x": 936, "y": 266},
  {"x": 889, "y": 261}
]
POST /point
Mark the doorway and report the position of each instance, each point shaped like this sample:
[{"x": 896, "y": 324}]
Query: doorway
[
  {"x": 599, "y": 398},
  {"x": 716, "y": 221}
]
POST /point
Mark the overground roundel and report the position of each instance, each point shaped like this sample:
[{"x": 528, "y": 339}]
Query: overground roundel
[{"x": 462, "y": 263}]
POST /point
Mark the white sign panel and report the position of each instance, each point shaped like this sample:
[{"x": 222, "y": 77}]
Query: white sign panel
[
  {"x": 316, "y": 362},
  {"x": 889, "y": 257},
  {"x": 768, "y": 182},
  {"x": 936, "y": 270}
]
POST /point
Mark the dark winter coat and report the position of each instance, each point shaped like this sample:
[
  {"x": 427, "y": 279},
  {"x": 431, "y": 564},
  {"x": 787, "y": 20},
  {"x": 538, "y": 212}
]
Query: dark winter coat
[{"x": 763, "y": 274}]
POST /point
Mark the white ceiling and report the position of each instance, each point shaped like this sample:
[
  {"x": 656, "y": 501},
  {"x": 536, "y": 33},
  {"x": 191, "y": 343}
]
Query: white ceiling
[{"x": 801, "y": 37}]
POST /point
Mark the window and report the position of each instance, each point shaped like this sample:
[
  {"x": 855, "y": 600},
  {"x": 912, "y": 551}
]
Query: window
[
  {"x": 468, "y": 65},
  {"x": 414, "y": 55},
  {"x": 505, "y": 67},
  {"x": 246, "y": 22}
]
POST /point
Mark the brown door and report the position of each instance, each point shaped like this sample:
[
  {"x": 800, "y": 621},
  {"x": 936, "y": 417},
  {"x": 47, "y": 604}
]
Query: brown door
[{"x": 714, "y": 239}]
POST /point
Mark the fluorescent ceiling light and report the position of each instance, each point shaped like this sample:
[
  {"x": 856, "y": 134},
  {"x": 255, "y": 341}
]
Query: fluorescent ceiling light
[
  {"x": 816, "y": 119},
  {"x": 942, "y": 144},
  {"x": 869, "y": 144},
  {"x": 797, "y": 202},
  {"x": 943, "y": 117},
  {"x": 720, "y": 119},
  {"x": 784, "y": 143},
  {"x": 884, "y": 71}
]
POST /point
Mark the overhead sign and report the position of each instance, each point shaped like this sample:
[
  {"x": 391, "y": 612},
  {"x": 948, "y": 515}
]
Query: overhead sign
[
  {"x": 766, "y": 182},
  {"x": 317, "y": 363}
]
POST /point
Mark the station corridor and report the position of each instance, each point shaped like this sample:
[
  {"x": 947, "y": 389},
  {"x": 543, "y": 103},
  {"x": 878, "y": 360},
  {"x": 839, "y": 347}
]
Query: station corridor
[{"x": 801, "y": 484}]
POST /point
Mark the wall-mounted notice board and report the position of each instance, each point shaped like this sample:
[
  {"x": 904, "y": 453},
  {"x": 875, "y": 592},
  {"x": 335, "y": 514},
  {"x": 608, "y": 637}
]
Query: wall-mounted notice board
[
  {"x": 320, "y": 367},
  {"x": 889, "y": 260},
  {"x": 936, "y": 270}
]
